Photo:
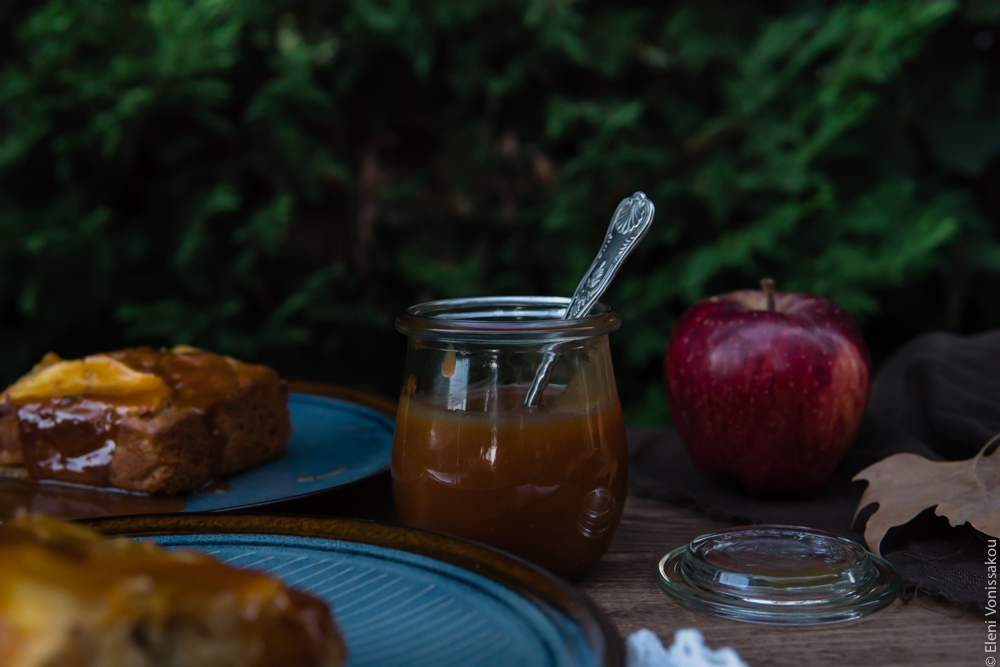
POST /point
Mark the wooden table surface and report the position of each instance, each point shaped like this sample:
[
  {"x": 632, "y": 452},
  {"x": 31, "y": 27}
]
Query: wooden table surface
[{"x": 920, "y": 632}]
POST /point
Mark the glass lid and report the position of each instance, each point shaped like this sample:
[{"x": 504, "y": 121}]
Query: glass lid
[{"x": 778, "y": 574}]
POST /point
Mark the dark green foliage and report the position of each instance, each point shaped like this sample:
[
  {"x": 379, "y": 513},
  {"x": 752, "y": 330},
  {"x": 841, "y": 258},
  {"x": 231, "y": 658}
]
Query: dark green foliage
[{"x": 276, "y": 179}]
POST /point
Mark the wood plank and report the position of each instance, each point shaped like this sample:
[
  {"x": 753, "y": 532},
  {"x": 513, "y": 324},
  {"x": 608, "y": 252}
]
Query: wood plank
[{"x": 921, "y": 632}]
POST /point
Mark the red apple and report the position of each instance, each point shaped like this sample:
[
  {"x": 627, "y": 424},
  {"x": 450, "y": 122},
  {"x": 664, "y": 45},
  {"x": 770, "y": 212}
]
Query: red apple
[{"x": 767, "y": 388}]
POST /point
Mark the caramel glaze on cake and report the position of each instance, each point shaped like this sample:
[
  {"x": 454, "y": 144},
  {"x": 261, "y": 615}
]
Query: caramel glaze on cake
[
  {"x": 144, "y": 420},
  {"x": 71, "y": 598}
]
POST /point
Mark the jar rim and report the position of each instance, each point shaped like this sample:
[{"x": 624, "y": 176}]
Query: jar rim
[{"x": 504, "y": 318}]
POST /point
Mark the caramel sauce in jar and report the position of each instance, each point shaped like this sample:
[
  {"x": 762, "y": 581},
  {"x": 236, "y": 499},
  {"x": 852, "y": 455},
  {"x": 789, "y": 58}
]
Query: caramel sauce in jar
[{"x": 545, "y": 483}]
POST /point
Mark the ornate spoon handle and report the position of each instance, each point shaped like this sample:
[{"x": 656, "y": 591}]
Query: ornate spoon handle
[{"x": 629, "y": 224}]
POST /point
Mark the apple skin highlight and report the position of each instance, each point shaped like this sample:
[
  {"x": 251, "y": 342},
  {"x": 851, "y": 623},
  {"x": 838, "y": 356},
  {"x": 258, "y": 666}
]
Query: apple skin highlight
[{"x": 773, "y": 399}]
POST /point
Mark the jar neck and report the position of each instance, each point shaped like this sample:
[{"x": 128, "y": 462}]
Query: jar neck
[{"x": 515, "y": 319}]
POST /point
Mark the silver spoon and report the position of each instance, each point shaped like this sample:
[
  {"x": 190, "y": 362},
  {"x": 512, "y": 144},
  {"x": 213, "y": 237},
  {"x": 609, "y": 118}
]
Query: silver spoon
[{"x": 629, "y": 224}]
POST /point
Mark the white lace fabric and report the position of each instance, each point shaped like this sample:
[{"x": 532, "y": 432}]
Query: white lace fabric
[{"x": 688, "y": 650}]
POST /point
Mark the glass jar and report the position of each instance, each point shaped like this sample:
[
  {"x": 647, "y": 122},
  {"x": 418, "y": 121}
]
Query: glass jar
[{"x": 545, "y": 483}]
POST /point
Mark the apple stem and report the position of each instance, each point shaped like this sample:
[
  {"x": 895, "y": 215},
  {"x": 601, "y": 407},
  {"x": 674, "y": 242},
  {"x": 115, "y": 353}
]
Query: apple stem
[{"x": 767, "y": 284}]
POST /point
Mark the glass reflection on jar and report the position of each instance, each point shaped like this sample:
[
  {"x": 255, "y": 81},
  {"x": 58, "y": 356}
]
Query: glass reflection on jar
[{"x": 545, "y": 483}]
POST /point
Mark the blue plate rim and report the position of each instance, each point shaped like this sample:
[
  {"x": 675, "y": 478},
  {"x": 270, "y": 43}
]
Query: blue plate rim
[
  {"x": 346, "y": 398},
  {"x": 523, "y": 578}
]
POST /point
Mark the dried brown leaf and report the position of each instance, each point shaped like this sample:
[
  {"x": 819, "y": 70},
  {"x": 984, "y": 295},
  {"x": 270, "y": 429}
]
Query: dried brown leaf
[{"x": 904, "y": 485}]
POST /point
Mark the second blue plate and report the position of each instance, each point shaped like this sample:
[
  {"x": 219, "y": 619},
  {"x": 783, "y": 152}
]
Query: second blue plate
[{"x": 334, "y": 442}]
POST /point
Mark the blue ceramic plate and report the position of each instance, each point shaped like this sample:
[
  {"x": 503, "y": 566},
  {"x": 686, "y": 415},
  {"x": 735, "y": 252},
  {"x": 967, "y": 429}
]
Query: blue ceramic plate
[
  {"x": 404, "y": 597},
  {"x": 334, "y": 442},
  {"x": 340, "y": 436}
]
